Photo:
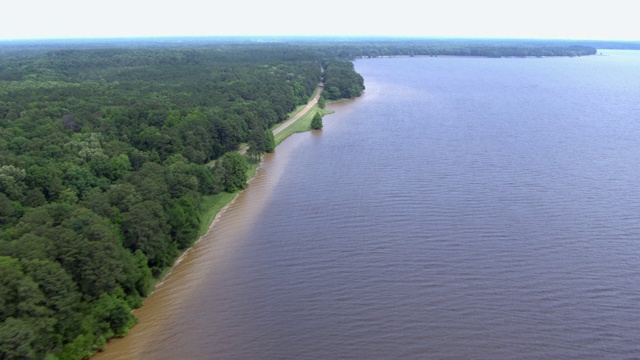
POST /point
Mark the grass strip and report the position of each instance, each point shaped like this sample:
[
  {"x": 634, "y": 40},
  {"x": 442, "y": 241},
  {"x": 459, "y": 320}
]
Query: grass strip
[{"x": 301, "y": 125}]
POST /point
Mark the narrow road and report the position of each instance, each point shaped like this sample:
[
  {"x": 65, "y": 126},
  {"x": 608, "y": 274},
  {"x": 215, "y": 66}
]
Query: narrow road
[
  {"x": 294, "y": 118},
  {"x": 297, "y": 116}
]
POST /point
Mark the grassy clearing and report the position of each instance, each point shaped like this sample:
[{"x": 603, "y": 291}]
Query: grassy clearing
[
  {"x": 301, "y": 125},
  {"x": 211, "y": 205},
  {"x": 253, "y": 167}
]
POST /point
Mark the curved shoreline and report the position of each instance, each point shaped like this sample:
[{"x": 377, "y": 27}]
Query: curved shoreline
[
  {"x": 280, "y": 128},
  {"x": 294, "y": 119}
]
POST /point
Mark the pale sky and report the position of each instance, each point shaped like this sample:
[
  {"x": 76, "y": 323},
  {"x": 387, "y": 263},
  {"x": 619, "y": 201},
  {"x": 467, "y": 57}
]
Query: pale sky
[{"x": 545, "y": 19}]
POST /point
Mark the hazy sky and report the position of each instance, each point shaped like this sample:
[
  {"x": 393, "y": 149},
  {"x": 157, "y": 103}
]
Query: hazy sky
[{"x": 568, "y": 19}]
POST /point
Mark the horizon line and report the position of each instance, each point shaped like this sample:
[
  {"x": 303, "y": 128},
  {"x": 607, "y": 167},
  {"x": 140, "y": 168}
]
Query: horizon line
[{"x": 304, "y": 36}]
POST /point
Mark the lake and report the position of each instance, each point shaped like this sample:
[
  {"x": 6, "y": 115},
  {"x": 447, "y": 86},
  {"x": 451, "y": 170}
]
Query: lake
[{"x": 462, "y": 208}]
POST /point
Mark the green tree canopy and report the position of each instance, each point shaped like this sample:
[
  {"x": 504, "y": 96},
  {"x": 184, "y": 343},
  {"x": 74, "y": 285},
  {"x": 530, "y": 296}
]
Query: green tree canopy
[{"x": 316, "y": 122}]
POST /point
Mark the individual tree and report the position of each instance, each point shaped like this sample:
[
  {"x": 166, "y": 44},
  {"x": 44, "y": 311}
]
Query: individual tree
[
  {"x": 258, "y": 143},
  {"x": 322, "y": 102},
  {"x": 254, "y": 150},
  {"x": 316, "y": 122},
  {"x": 271, "y": 141},
  {"x": 184, "y": 221}
]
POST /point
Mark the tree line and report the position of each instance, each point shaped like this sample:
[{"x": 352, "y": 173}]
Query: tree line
[{"x": 495, "y": 48}]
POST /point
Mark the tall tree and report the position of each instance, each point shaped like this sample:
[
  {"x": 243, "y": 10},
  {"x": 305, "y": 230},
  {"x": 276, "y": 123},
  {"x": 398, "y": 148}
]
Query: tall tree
[{"x": 316, "y": 122}]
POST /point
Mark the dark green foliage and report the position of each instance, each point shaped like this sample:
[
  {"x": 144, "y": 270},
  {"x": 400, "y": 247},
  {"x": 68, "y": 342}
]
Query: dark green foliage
[
  {"x": 316, "y": 122},
  {"x": 233, "y": 169},
  {"x": 322, "y": 102},
  {"x": 341, "y": 80},
  {"x": 61, "y": 297},
  {"x": 260, "y": 142},
  {"x": 25, "y": 322},
  {"x": 184, "y": 221},
  {"x": 464, "y": 47},
  {"x": 17, "y": 340},
  {"x": 145, "y": 228},
  {"x": 7, "y": 211}
]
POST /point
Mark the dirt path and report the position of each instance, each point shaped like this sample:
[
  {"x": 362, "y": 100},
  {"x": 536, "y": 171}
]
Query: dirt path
[{"x": 295, "y": 118}]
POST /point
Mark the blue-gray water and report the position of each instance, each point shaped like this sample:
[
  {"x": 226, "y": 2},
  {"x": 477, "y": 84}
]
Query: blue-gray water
[{"x": 462, "y": 208}]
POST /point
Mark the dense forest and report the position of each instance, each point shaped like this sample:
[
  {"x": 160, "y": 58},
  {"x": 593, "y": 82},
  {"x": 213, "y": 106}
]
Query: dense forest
[{"x": 108, "y": 150}]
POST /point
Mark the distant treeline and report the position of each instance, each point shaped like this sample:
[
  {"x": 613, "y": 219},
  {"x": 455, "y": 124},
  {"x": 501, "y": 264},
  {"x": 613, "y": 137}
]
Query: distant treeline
[
  {"x": 108, "y": 150},
  {"x": 482, "y": 48}
]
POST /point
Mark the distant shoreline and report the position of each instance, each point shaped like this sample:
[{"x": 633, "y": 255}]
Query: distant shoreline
[{"x": 469, "y": 56}]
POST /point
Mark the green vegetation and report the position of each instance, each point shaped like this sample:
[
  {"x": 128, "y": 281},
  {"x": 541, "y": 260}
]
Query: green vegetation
[
  {"x": 301, "y": 125},
  {"x": 211, "y": 205},
  {"x": 113, "y": 162},
  {"x": 341, "y": 80},
  {"x": 116, "y": 156},
  {"x": 377, "y": 47},
  {"x": 316, "y": 122}
]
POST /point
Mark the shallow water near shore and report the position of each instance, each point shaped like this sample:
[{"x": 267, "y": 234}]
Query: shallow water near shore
[{"x": 462, "y": 208}]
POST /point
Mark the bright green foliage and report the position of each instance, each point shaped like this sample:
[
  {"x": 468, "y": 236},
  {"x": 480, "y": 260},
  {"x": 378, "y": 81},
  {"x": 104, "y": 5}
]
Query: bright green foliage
[
  {"x": 12, "y": 181},
  {"x": 271, "y": 142},
  {"x": 113, "y": 314}
]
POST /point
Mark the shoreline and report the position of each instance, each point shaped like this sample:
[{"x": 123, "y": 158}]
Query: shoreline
[
  {"x": 475, "y": 56},
  {"x": 168, "y": 298},
  {"x": 300, "y": 116},
  {"x": 297, "y": 117}
]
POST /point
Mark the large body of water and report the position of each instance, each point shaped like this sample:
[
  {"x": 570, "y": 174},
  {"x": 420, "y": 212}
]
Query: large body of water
[{"x": 462, "y": 208}]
